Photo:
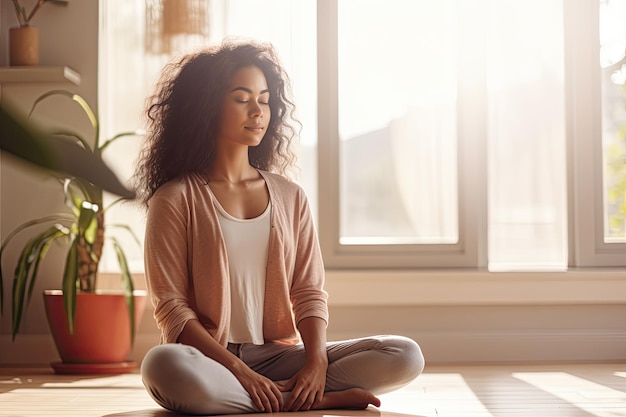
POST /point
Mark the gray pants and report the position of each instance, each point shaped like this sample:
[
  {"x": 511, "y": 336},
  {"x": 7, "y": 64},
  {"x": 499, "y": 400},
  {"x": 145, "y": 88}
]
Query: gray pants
[{"x": 182, "y": 379}]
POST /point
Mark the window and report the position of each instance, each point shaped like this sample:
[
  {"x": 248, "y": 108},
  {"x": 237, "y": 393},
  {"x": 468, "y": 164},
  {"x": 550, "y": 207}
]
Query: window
[
  {"x": 470, "y": 156},
  {"x": 439, "y": 134},
  {"x": 393, "y": 176},
  {"x": 613, "y": 64},
  {"x": 593, "y": 116},
  {"x": 397, "y": 122}
]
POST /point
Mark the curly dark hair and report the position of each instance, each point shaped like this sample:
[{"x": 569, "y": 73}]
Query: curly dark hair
[{"x": 183, "y": 114}]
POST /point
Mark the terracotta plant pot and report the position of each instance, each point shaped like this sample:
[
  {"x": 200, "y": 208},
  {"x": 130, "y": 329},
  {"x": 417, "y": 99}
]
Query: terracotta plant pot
[
  {"x": 101, "y": 339},
  {"x": 23, "y": 46}
]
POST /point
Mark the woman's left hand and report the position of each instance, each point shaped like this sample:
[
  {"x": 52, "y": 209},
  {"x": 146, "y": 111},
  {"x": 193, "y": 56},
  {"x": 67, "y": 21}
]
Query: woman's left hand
[{"x": 307, "y": 386}]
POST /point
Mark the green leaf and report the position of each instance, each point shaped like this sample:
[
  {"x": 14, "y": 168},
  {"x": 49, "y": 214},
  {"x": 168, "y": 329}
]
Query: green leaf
[
  {"x": 127, "y": 286},
  {"x": 26, "y": 271},
  {"x": 18, "y": 138},
  {"x": 77, "y": 190},
  {"x": 87, "y": 216},
  {"x": 114, "y": 203},
  {"x": 119, "y": 136},
  {"x": 82, "y": 141},
  {"x": 20, "y": 281},
  {"x": 88, "y": 111},
  {"x": 73, "y": 200},
  {"x": 70, "y": 278},
  {"x": 55, "y": 232},
  {"x": 57, "y": 217},
  {"x": 78, "y": 99},
  {"x": 128, "y": 229}
]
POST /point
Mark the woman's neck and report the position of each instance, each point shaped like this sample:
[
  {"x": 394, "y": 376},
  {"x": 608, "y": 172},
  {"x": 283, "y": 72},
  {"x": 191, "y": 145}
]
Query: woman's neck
[
  {"x": 232, "y": 174},
  {"x": 232, "y": 166}
]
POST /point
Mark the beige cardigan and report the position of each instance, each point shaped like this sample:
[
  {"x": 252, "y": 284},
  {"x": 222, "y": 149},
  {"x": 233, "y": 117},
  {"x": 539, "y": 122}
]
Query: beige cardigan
[{"x": 187, "y": 268}]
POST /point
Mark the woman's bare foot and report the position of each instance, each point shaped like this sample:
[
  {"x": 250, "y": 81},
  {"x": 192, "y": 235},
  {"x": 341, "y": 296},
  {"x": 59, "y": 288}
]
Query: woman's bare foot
[{"x": 353, "y": 399}]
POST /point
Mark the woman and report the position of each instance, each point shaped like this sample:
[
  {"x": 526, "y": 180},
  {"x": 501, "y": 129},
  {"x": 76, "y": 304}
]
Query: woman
[{"x": 232, "y": 260}]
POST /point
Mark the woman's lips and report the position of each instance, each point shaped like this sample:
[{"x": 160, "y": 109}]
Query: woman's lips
[{"x": 255, "y": 128}]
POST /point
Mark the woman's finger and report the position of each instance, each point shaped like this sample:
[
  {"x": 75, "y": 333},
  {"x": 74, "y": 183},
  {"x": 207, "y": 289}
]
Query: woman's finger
[
  {"x": 256, "y": 399},
  {"x": 267, "y": 402},
  {"x": 275, "y": 400},
  {"x": 307, "y": 401},
  {"x": 318, "y": 397},
  {"x": 299, "y": 397},
  {"x": 292, "y": 398},
  {"x": 278, "y": 395}
]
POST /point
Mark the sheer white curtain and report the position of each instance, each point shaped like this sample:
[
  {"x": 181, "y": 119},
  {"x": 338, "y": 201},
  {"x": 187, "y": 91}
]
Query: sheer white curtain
[
  {"x": 124, "y": 77},
  {"x": 127, "y": 75},
  {"x": 526, "y": 135}
]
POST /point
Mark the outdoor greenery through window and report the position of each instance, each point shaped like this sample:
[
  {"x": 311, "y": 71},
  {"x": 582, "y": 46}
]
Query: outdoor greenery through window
[
  {"x": 613, "y": 63},
  {"x": 441, "y": 136}
]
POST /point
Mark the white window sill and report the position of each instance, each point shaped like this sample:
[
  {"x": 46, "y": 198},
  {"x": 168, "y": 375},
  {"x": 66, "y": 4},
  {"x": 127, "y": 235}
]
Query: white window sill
[
  {"x": 472, "y": 287},
  {"x": 462, "y": 287}
]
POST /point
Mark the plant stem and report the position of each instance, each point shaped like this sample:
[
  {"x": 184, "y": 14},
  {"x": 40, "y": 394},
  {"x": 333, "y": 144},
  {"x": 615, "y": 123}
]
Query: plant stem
[
  {"x": 21, "y": 13},
  {"x": 37, "y": 7}
]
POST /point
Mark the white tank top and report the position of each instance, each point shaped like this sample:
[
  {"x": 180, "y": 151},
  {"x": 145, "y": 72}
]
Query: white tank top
[{"x": 247, "y": 242}]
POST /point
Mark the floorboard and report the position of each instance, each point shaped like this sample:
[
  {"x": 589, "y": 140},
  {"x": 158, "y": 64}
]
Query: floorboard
[{"x": 580, "y": 390}]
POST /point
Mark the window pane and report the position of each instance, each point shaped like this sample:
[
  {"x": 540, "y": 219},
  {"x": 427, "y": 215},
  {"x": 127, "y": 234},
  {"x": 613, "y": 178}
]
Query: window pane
[
  {"x": 526, "y": 141},
  {"x": 612, "y": 48},
  {"x": 397, "y": 121}
]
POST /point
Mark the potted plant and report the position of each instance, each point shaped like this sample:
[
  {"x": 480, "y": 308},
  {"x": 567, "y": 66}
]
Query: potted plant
[
  {"x": 24, "y": 39},
  {"x": 83, "y": 227},
  {"x": 19, "y": 139}
]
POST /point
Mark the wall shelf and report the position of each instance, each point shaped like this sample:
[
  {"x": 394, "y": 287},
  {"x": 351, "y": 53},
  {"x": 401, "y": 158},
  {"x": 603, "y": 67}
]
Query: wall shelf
[{"x": 38, "y": 75}]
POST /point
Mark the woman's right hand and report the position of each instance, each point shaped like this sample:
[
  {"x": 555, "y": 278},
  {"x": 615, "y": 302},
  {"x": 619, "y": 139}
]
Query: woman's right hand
[{"x": 264, "y": 392}]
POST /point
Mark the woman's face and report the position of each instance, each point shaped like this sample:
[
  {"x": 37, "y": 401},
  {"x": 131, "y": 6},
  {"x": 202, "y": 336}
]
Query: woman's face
[{"x": 246, "y": 112}]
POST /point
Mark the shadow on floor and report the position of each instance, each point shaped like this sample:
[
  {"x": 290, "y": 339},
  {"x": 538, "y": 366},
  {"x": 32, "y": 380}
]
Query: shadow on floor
[{"x": 370, "y": 412}]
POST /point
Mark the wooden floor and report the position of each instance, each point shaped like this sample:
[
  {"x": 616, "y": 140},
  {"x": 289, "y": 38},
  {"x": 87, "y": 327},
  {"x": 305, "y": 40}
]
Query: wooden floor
[{"x": 442, "y": 391}]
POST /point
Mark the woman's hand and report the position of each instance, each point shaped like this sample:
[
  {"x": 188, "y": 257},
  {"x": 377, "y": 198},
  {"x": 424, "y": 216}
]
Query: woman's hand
[
  {"x": 265, "y": 393},
  {"x": 307, "y": 386}
]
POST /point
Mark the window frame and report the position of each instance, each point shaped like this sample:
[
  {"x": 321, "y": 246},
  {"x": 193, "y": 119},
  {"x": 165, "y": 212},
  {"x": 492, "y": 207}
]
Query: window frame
[
  {"x": 470, "y": 251},
  {"x": 587, "y": 247}
]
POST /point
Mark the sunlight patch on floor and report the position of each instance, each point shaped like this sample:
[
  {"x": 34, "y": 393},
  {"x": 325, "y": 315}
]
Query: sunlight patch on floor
[
  {"x": 595, "y": 399},
  {"x": 447, "y": 393},
  {"x": 130, "y": 381}
]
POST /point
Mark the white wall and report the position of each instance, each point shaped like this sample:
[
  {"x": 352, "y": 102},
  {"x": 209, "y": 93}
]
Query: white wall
[{"x": 457, "y": 316}]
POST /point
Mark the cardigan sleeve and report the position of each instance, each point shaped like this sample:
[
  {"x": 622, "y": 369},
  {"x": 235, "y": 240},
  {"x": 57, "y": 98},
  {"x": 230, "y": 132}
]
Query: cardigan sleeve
[
  {"x": 307, "y": 289},
  {"x": 166, "y": 258}
]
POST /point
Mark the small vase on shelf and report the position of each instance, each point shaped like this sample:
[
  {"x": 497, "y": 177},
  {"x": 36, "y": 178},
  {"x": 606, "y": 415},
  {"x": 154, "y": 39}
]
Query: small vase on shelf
[{"x": 23, "y": 46}]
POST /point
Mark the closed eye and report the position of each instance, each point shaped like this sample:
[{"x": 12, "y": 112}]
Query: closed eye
[
  {"x": 264, "y": 93},
  {"x": 264, "y": 103}
]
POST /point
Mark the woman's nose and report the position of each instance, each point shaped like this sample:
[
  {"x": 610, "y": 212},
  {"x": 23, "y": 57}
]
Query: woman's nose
[{"x": 256, "y": 109}]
